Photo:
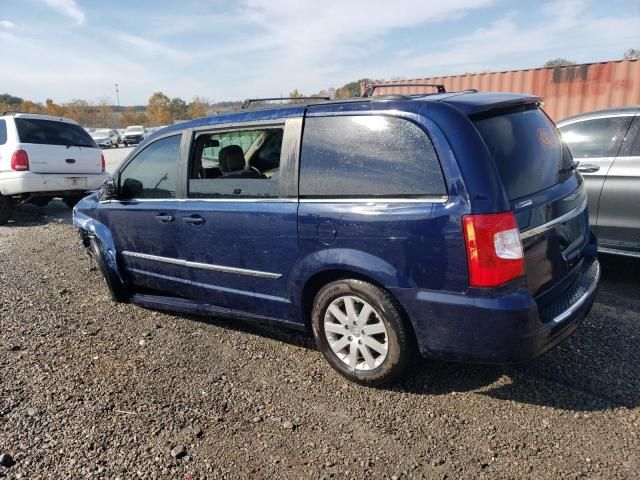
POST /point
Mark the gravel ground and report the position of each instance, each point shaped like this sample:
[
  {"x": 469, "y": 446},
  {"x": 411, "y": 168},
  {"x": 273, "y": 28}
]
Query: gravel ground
[{"x": 91, "y": 389}]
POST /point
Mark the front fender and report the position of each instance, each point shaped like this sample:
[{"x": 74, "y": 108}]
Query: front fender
[{"x": 83, "y": 220}]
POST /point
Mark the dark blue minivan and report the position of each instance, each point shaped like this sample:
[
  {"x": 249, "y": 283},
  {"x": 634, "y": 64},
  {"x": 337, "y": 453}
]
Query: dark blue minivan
[{"x": 453, "y": 225}]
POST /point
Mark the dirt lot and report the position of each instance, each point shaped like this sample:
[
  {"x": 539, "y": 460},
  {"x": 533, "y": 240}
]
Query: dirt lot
[{"x": 90, "y": 389}]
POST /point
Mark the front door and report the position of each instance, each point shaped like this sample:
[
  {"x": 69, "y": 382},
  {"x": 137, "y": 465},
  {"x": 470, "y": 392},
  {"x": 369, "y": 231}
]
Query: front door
[
  {"x": 143, "y": 220},
  {"x": 239, "y": 224}
]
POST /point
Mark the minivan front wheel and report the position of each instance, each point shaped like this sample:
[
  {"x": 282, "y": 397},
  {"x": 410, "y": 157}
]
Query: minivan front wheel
[{"x": 361, "y": 332}]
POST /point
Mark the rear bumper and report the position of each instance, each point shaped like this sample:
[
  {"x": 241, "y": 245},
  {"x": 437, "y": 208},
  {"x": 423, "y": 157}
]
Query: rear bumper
[
  {"x": 14, "y": 183},
  {"x": 508, "y": 328}
]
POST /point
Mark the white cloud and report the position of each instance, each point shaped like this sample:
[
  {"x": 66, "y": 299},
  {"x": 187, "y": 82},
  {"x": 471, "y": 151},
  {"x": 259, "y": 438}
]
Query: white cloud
[
  {"x": 6, "y": 24},
  {"x": 69, "y": 8},
  {"x": 565, "y": 30}
]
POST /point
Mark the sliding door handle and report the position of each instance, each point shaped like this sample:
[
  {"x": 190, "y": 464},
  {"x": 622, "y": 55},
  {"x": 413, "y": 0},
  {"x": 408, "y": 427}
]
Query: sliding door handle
[{"x": 193, "y": 220}]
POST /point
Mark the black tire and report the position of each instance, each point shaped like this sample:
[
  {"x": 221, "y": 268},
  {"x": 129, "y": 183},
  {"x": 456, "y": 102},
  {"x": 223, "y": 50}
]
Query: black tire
[
  {"x": 40, "y": 201},
  {"x": 6, "y": 209},
  {"x": 399, "y": 336},
  {"x": 72, "y": 201},
  {"x": 119, "y": 292}
]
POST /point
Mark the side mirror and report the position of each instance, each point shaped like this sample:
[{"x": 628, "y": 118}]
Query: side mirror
[
  {"x": 131, "y": 188},
  {"x": 109, "y": 188}
]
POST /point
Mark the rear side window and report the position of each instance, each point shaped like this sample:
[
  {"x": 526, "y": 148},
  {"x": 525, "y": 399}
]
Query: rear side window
[
  {"x": 49, "y": 132},
  {"x": 527, "y": 151},
  {"x": 3, "y": 132},
  {"x": 367, "y": 156},
  {"x": 598, "y": 137}
]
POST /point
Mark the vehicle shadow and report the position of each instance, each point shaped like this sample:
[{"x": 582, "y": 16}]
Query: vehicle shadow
[
  {"x": 29, "y": 215},
  {"x": 594, "y": 369}
]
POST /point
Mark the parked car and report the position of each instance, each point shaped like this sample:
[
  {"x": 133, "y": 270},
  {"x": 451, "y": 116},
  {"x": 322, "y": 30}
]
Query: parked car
[
  {"x": 606, "y": 144},
  {"x": 133, "y": 135},
  {"x": 120, "y": 134},
  {"x": 449, "y": 225},
  {"x": 42, "y": 157},
  {"x": 106, "y": 138}
]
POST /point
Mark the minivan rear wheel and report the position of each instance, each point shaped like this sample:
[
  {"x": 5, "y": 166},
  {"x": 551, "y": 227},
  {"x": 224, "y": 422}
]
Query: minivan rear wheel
[
  {"x": 360, "y": 330},
  {"x": 6, "y": 209}
]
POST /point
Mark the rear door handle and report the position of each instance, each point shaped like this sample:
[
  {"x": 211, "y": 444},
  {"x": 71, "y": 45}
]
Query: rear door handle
[
  {"x": 164, "y": 218},
  {"x": 588, "y": 168},
  {"x": 193, "y": 220}
]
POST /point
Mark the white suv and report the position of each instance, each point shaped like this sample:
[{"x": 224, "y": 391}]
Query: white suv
[{"x": 42, "y": 157}]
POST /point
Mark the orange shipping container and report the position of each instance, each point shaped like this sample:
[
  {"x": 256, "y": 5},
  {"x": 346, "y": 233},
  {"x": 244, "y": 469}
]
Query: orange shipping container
[{"x": 565, "y": 91}]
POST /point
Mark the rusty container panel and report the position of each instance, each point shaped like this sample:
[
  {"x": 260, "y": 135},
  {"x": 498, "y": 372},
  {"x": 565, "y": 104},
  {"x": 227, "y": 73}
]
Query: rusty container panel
[{"x": 565, "y": 91}]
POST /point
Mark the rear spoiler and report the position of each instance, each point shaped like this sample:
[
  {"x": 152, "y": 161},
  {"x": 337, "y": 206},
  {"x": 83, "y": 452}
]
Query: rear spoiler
[{"x": 489, "y": 105}]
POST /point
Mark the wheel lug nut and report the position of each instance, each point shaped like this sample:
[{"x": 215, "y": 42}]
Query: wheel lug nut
[{"x": 350, "y": 338}]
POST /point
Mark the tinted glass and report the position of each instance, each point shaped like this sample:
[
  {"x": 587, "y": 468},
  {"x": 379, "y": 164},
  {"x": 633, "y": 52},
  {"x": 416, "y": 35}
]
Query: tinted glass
[
  {"x": 156, "y": 168},
  {"x": 367, "y": 156},
  {"x": 3, "y": 132},
  {"x": 599, "y": 137},
  {"x": 252, "y": 173},
  {"x": 527, "y": 151},
  {"x": 50, "y": 132}
]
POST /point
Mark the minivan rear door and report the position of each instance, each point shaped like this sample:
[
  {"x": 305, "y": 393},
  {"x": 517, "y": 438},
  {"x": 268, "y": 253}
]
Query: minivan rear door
[
  {"x": 58, "y": 147},
  {"x": 546, "y": 195}
]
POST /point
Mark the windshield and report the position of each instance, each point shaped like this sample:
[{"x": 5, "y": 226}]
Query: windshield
[
  {"x": 49, "y": 132},
  {"x": 134, "y": 130},
  {"x": 100, "y": 133}
]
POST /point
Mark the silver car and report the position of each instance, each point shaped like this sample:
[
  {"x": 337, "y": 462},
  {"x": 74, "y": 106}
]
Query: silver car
[{"x": 606, "y": 144}]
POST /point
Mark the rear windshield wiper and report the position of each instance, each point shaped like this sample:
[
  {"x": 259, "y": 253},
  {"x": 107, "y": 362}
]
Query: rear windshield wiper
[{"x": 570, "y": 168}]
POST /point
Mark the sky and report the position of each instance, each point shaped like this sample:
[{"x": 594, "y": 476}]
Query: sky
[{"x": 231, "y": 50}]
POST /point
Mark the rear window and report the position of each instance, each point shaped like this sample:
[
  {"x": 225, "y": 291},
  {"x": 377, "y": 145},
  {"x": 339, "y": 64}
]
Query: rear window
[
  {"x": 367, "y": 156},
  {"x": 527, "y": 150},
  {"x": 49, "y": 132}
]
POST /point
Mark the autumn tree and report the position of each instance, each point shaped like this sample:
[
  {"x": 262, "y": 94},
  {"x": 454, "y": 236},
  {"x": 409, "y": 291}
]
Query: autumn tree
[
  {"x": 80, "y": 111},
  {"x": 129, "y": 117},
  {"x": 198, "y": 108},
  {"x": 158, "y": 109},
  {"x": 294, "y": 95},
  {"x": 51, "y": 108}
]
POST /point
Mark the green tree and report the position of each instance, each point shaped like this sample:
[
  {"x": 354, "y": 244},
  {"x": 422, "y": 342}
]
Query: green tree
[
  {"x": 177, "y": 109},
  {"x": 632, "y": 54},
  {"x": 158, "y": 109},
  {"x": 558, "y": 62}
]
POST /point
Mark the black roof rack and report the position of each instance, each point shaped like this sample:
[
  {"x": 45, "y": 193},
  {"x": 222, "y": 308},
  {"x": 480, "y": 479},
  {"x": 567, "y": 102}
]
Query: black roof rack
[
  {"x": 372, "y": 86},
  {"x": 249, "y": 101}
]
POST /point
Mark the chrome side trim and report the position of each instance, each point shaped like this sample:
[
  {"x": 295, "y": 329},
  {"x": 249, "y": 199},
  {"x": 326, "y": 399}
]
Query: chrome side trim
[
  {"x": 614, "y": 251},
  {"x": 240, "y": 200},
  {"x": 430, "y": 199},
  {"x": 203, "y": 266},
  {"x": 561, "y": 219},
  {"x": 569, "y": 311}
]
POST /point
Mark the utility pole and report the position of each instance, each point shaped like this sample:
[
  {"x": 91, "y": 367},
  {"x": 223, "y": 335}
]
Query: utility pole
[{"x": 117, "y": 94}]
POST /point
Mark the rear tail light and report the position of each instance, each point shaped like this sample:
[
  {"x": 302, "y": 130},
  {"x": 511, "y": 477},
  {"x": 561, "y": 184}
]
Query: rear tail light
[
  {"x": 20, "y": 161},
  {"x": 494, "y": 250},
  {"x": 104, "y": 164}
]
